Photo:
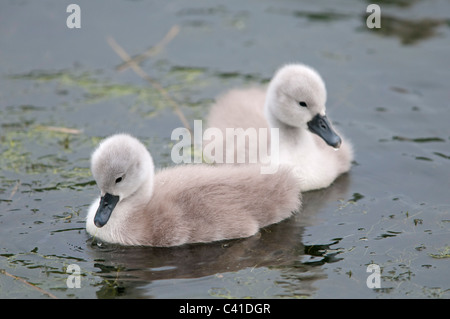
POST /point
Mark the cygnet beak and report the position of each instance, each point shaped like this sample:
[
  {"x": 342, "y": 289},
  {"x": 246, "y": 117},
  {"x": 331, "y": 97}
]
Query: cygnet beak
[
  {"x": 106, "y": 207},
  {"x": 321, "y": 126}
]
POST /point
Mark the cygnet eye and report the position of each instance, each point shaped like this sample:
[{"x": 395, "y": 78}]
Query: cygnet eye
[
  {"x": 119, "y": 179},
  {"x": 302, "y": 104}
]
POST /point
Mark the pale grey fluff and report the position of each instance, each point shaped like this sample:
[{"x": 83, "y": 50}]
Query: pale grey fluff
[
  {"x": 187, "y": 203},
  {"x": 315, "y": 163}
]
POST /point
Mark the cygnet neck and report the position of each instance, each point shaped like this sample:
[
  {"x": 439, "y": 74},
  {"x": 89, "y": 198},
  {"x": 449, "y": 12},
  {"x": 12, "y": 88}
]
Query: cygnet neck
[
  {"x": 291, "y": 135},
  {"x": 144, "y": 192}
]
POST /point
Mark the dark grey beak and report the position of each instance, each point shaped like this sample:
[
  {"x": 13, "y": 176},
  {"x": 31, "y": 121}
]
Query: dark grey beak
[
  {"x": 321, "y": 126},
  {"x": 107, "y": 204}
]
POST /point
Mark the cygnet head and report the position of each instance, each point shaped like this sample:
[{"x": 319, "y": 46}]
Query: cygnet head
[
  {"x": 296, "y": 97},
  {"x": 121, "y": 166}
]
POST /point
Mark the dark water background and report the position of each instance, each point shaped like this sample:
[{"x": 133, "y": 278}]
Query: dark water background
[{"x": 388, "y": 90}]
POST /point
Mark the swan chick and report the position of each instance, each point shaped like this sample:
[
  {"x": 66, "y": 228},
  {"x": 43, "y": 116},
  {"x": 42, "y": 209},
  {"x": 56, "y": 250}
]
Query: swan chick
[
  {"x": 295, "y": 103},
  {"x": 184, "y": 204}
]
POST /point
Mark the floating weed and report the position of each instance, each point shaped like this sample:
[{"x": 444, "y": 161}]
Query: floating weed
[
  {"x": 352, "y": 201},
  {"x": 13, "y": 156},
  {"x": 400, "y": 267},
  {"x": 188, "y": 75},
  {"x": 95, "y": 88},
  {"x": 67, "y": 216},
  {"x": 178, "y": 84},
  {"x": 418, "y": 140},
  {"x": 436, "y": 292},
  {"x": 220, "y": 293},
  {"x": 356, "y": 197},
  {"x": 38, "y": 151},
  {"x": 320, "y": 16},
  {"x": 16, "y": 157},
  {"x": 408, "y": 31},
  {"x": 441, "y": 155},
  {"x": 243, "y": 284},
  {"x": 443, "y": 253},
  {"x": 388, "y": 234}
]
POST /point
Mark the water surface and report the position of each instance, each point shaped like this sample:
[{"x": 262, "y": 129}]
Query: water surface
[{"x": 388, "y": 92}]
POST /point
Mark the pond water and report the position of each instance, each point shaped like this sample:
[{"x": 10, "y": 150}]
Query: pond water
[{"x": 388, "y": 91}]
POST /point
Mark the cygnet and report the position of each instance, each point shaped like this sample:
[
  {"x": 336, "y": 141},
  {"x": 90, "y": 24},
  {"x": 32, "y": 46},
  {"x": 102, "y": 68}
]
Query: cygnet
[
  {"x": 195, "y": 203},
  {"x": 294, "y": 102}
]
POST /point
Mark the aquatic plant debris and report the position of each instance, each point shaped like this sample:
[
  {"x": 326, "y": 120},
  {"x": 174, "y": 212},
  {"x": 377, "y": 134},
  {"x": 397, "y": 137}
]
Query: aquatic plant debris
[
  {"x": 4, "y": 272},
  {"x": 152, "y": 51},
  {"x": 418, "y": 140},
  {"x": 138, "y": 70},
  {"x": 442, "y": 254}
]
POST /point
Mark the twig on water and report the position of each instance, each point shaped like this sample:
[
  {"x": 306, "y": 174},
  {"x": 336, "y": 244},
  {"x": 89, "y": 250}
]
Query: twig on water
[
  {"x": 60, "y": 129},
  {"x": 14, "y": 190},
  {"x": 153, "y": 50},
  {"x": 2, "y": 271},
  {"x": 138, "y": 70}
]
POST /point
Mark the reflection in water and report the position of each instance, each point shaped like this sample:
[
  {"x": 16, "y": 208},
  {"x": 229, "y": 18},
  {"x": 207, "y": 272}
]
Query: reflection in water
[
  {"x": 317, "y": 16},
  {"x": 408, "y": 31},
  {"x": 278, "y": 248},
  {"x": 320, "y": 16},
  {"x": 418, "y": 140},
  {"x": 398, "y": 3}
]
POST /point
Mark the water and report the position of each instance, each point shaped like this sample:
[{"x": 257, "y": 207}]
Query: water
[{"x": 387, "y": 90}]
